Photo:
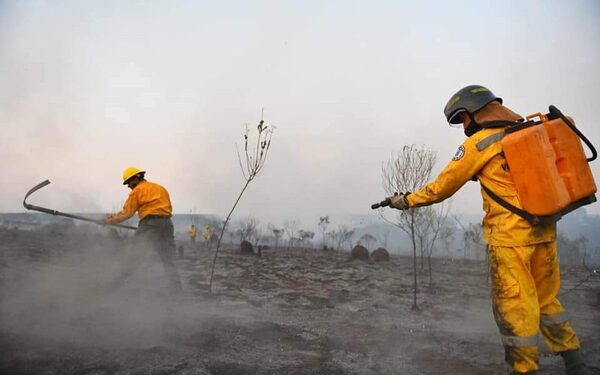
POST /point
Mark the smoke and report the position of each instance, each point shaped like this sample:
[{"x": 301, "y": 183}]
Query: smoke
[
  {"x": 104, "y": 293},
  {"x": 92, "y": 88}
]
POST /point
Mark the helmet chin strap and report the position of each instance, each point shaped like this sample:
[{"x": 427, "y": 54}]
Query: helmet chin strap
[{"x": 473, "y": 126}]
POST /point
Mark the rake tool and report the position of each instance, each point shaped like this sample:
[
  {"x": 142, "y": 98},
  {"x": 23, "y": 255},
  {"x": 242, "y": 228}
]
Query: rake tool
[{"x": 58, "y": 213}]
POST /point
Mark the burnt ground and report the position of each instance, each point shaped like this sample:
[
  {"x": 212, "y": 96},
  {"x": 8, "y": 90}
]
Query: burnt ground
[{"x": 66, "y": 309}]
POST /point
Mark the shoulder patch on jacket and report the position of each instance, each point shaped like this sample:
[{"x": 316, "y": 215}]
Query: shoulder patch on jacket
[{"x": 459, "y": 153}]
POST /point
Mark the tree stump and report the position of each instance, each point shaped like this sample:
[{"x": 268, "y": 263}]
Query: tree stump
[
  {"x": 360, "y": 252},
  {"x": 380, "y": 255},
  {"x": 246, "y": 248}
]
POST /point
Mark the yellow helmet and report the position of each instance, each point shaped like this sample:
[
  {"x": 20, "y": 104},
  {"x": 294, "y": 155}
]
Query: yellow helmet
[{"x": 130, "y": 172}]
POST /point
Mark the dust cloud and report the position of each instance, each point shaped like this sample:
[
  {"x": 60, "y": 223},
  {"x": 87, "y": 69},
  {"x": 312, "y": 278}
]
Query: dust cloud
[
  {"x": 76, "y": 300},
  {"x": 100, "y": 292}
]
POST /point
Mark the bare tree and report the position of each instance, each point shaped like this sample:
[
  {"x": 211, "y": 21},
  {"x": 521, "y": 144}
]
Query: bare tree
[
  {"x": 583, "y": 241},
  {"x": 247, "y": 229},
  {"x": 277, "y": 233},
  {"x": 384, "y": 237},
  {"x": 446, "y": 236},
  {"x": 437, "y": 222},
  {"x": 368, "y": 239},
  {"x": 291, "y": 228},
  {"x": 348, "y": 236},
  {"x": 334, "y": 235},
  {"x": 305, "y": 236},
  {"x": 343, "y": 235},
  {"x": 229, "y": 233},
  {"x": 423, "y": 222},
  {"x": 405, "y": 171},
  {"x": 465, "y": 237},
  {"x": 257, "y": 234},
  {"x": 323, "y": 224},
  {"x": 569, "y": 251},
  {"x": 474, "y": 235},
  {"x": 471, "y": 237},
  {"x": 254, "y": 164}
]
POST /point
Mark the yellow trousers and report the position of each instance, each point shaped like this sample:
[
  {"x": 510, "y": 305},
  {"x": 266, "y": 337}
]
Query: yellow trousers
[{"x": 525, "y": 282}]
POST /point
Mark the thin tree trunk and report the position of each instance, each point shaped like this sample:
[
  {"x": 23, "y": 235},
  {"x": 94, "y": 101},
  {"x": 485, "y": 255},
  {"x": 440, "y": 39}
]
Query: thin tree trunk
[
  {"x": 430, "y": 273},
  {"x": 414, "y": 242},
  {"x": 212, "y": 271},
  {"x": 487, "y": 264},
  {"x": 421, "y": 249}
]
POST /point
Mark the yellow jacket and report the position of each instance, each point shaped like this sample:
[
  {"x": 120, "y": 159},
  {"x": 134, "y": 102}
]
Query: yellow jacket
[
  {"x": 192, "y": 231},
  {"x": 500, "y": 226},
  {"x": 207, "y": 233},
  {"x": 147, "y": 198}
]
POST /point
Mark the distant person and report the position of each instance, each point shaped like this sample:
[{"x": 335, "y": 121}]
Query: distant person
[
  {"x": 523, "y": 258},
  {"x": 155, "y": 229},
  {"x": 207, "y": 233},
  {"x": 192, "y": 232}
]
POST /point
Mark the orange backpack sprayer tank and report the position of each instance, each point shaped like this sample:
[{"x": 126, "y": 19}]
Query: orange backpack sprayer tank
[
  {"x": 532, "y": 162},
  {"x": 571, "y": 162},
  {"x": 548, "y": 165}
]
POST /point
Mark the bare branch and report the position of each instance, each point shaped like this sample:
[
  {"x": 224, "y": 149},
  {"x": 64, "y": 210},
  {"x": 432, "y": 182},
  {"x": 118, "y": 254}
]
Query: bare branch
[
  {"x": 255, "y": 161},
  {"x": 406, "y": 171}
]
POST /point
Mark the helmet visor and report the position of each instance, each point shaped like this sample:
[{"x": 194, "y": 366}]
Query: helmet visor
[{"x": 455, "y": 120}]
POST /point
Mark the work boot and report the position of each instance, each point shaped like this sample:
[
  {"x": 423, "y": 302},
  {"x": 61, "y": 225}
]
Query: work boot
[{"x": 574, "y": 364}]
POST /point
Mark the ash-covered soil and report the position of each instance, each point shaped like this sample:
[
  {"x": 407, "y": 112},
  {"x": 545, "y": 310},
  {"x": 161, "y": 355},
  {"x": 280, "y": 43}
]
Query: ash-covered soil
[{"x": 80, "y": 302}]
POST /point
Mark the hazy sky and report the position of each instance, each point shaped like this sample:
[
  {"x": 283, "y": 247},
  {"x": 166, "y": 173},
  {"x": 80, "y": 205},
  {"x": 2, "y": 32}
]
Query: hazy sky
[{"x": 88, "y": 88}]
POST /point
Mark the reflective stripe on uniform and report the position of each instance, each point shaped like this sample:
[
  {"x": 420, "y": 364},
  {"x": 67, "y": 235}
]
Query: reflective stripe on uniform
[
  {"x": 486, "y": 142},
  {"x": 547, "y": 320},
  {"x": 520, "y": 341}
]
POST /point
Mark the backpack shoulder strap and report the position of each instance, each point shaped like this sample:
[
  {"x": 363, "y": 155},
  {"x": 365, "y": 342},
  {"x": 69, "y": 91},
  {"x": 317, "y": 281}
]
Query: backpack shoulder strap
[
  {"x": 499, "y": 124},
  {"x": 510, "y": 127},
  {"x": 489, "y": 140},
  {"x": 531, "y": 218}
]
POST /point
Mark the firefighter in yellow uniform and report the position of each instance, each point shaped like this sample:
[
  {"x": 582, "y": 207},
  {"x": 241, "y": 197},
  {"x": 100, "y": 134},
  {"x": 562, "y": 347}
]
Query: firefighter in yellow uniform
[
  {"x": 207, "y": 233},
  {"x": 523, "y": 258},
  {"x": 192, "y": 232},
  {"x": 155, "y": 229}
]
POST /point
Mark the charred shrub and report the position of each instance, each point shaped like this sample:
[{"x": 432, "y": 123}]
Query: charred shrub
[
  {"x": 360, "y": 252},
  {"x": 246, "y": 248},
  {"x": 380, "y": 255}
]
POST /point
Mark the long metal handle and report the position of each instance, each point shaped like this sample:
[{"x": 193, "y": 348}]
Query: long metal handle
[{"x": 58, "y": 213}]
